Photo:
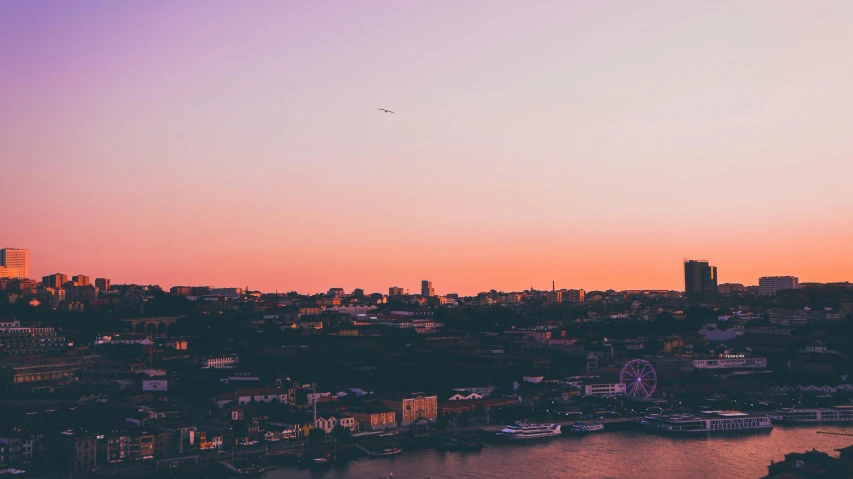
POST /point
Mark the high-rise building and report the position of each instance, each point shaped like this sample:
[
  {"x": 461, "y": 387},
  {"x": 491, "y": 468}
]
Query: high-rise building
[
  {"x": 80, "y": 280},
  {"x": 55, "y": 280},
  {"x": 427, "y": 289},
  {"x": 555, "y": 297},
  {"x": 394, "y": 291},
  {"x": 103, "y": 284},
  {"x": 10, "y": 273},
  {"x": 574, "y": 295},
  {"x": 770, "y": 285},
  {"x": 700, "y": 280},
  {"x": 14, "y": 263}
]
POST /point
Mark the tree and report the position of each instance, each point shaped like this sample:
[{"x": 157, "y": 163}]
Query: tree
[
  {"x": 316, "y": 435},
  {"x": 463, "y": 420},
  {"x": 340, "y": 433}
]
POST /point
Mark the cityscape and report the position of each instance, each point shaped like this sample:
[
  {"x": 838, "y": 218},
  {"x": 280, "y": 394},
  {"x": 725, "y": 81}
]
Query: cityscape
[
  {"x": 104, "y": 378},
  {"x": 481, "y": 239}
]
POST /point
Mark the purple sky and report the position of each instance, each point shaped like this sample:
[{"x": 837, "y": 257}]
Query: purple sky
[{"x": 595, "y": 143}]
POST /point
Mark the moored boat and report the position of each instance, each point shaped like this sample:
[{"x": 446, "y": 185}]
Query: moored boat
[
  {"x": 583, "y": 427},
  {"x": 715, "y": 422},
  {"x": 805, "y": 416},
  {"x": 526, "y": 431},
  {"x": 392, "y": 451}
]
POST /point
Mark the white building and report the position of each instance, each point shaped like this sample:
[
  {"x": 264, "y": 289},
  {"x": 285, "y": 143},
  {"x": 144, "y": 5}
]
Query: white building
[
  {"x": 328, "y": 424},
  {"x": 353, "y": 310},
  {"x": 221, "y": 362},
  {"x": 14, "y": 263},
  {"x": 5, "y": 326},
  {"x": 482, "y": 391},
  {"x": 770, "y": 285},
  {"x": 126, "y": 339},
  {"x": 246, "y": 396},
  {"x": 730, "y": 361},
  {"x": 465, "y": 396},
  {"x": 603, "y": 389},
  {"x": 311, "y": 398}
]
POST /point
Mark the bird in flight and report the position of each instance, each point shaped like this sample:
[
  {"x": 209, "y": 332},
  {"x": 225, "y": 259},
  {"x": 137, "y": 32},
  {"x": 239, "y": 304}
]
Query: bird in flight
[{"x": 386, "y": 111}]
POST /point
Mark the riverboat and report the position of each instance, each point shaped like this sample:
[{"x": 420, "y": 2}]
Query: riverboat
[
  {"x": 583, "y": 427},
  {"x": 527, "y": 431},
  {"x": 804, "y": 416},
  {"x": 716, "y": 422}
]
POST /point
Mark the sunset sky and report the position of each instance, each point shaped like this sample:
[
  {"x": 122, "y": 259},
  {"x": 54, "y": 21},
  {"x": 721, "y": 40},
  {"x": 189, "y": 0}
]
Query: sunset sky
[{"x": 594, "y": 143}]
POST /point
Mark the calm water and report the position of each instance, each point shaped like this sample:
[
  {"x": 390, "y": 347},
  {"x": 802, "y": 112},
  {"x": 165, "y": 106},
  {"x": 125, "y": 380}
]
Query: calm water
[{"x": 633, "y": 455}]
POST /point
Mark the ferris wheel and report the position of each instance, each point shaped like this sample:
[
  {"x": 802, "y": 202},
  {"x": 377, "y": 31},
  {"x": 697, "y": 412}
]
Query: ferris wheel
[{"x": 640, "y": 378}]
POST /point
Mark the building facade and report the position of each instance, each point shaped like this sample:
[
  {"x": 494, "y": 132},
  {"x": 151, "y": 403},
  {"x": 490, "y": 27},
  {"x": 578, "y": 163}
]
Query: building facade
[
  {"x": 181, "y": 290},
  {"x": 555, "y": 297},
  {"x": 729, "y": 288},
  {"x": 700, "y": 280},
  {"x": 603, "y": 389},
  {"x": 15, "y": 262},
  {"x": 103, "y": 284},
  {"x": 373, "y": 418},
  {"x": 413, "y": 407},
  {"x": 53, "y": 297},
  {"x": 221, "y": 362},
  {"x": 770, "y": 285},
  {"x": 426, "y": 289},
  {"x": 730, "y": 362},
  {"x": 56, "y": 280},
  {"x": 574, "y": 295}
]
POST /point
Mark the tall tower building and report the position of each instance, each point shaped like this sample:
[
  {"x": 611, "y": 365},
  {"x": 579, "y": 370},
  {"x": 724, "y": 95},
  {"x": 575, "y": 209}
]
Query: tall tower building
[
  {"x": 394, "y": 291},
  {"x": 80, "y": 280},
  {"x": 700, "y": 280},
  {"x": 55, "y": 280},
  {"x": 15, "y": 263},
  {"x": 427, "y": 289},
  {"x": 103, "y": 284}
]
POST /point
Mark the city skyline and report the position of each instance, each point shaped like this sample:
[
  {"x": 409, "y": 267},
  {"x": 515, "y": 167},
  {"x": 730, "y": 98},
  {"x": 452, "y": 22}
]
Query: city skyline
[
  {"x": 703, "y": 279},
  {"x": 585, "y": 143}
]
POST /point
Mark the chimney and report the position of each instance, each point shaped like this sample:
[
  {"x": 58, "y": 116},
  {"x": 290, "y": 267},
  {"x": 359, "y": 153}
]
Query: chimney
[{"x": 553, "y": 288}]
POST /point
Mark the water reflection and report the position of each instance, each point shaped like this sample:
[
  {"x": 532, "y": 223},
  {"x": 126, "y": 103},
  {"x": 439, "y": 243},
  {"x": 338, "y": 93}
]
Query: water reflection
[{"x": 608, "y": 455}]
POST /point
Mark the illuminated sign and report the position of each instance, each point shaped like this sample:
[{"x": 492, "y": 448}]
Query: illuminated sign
[{"x": 733, "y": 356}]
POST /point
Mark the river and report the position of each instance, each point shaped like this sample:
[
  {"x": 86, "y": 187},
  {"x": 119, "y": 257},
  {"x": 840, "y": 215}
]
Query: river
[{"x": 623, "y": 455}]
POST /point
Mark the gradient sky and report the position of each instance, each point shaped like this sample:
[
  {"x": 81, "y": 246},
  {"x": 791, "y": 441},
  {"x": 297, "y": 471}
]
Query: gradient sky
[{"x": 594, "y": 143}]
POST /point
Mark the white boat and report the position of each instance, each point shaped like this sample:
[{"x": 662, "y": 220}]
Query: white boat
[
  {"x": 715, "y": 422},
  {"x": 525, "y": 430},
  {"x": 793, "y": 416},
  {"x": 653, "y": 421},
  {"x": 582, "y": 427}
]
